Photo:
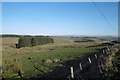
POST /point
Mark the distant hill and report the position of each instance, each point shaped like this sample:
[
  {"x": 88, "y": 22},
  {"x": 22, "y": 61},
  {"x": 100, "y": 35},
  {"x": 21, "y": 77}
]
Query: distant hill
[{"x": 111, "y": 38}]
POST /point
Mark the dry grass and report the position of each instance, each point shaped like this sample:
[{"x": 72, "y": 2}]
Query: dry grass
[
  {"x": 63, "y": 40},
  {"x": 12, "y": 56},
  {"x": 8, "y": 45}
]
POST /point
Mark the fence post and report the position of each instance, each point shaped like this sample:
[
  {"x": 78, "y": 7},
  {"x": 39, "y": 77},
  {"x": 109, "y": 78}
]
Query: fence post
[
  {"x": 95, "y": 56},
  {"x": 89, "y": 60},
  {"x": 72, "y": 74},
  {"x": 80, "y": 66},
  {"x": 108, "y": 49},
  {"x": 103, "y": 51},
  {"x": 100, "y": 69}
]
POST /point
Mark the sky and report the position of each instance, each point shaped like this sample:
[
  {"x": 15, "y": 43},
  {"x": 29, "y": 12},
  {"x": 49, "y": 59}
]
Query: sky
[
  {"x": 60, "y": 18},
  {"x": 59, "y": 0}
]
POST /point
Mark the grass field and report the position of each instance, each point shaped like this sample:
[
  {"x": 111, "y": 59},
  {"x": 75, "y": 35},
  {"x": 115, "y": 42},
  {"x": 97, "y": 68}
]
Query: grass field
[
  {"x": 37, "y": 60},
  {"x": 50, "y": 59}
]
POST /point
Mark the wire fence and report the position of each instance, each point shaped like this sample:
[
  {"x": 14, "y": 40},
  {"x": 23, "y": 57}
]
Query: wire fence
[
  {"x": 91, "y": 67},
  {"x": 95, "y": 65}
]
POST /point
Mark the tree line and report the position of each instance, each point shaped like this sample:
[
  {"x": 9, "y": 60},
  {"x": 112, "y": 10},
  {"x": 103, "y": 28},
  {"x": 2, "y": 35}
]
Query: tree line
[
  {"x": 18, "y": 36},
  {"x": 33, "y": 41},
  {"x": 10, "y": 35}
]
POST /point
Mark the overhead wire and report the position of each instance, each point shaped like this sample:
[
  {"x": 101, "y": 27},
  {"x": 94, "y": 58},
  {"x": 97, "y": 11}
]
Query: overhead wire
[{"x": 101, "y": 13}]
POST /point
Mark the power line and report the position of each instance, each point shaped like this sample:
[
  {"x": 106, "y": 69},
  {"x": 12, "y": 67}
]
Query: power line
[{"x": 104, "y": 17}]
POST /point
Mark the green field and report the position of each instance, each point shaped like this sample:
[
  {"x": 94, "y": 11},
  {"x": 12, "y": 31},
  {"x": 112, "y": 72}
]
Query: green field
[
  {"x": 42, "y": 60},
  {"x": 37, "y": 60}
]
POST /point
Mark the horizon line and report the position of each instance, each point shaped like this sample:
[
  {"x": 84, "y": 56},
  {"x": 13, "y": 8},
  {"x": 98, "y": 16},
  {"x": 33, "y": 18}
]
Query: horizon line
[{"x": 55, "y": 35}]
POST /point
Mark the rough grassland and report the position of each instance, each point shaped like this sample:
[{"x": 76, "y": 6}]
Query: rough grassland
[
  {"x": 34, "y": 61},
  {"x": 42, "y": 60}
]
